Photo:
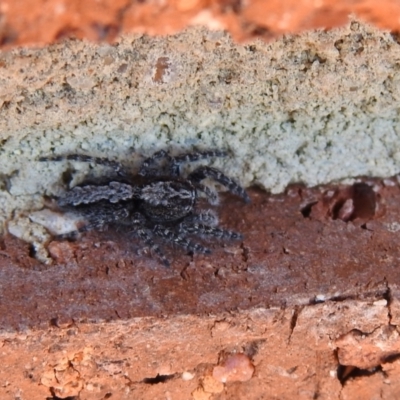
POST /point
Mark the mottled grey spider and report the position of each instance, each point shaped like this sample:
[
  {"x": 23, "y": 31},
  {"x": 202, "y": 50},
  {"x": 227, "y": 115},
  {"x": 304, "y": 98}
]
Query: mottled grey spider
[{"x": 156, "y": 202}]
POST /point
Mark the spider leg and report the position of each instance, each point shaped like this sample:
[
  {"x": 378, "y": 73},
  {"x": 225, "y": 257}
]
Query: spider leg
[
  {"x": 171, "y": 237},
  {"x": 177, "y": 161},
  {"x": 202, "y": 229},
  {"x": 138, "y": 221},
  {"x": 206, "y": 217},
  {"x": 97, "y": 216},
  {"x": 145, "y": 168},
  {"x": 208, "y": 172},
  {"x": 102, "y": 213},
  {"x": 145, "y": 235},
  {"x": 211, "y": 195},
  {"x": 73, "y": 235},
  {"x": 115, "y": 165}
]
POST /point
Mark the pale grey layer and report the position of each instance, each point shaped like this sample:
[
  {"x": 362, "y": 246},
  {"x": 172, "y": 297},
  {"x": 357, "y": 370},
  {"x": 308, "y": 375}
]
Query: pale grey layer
[{"x": 313, "y": 108}]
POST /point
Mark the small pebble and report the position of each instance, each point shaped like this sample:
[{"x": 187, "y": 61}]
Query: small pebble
[
  {"x": 211, "y": 385},
  {"x": 187, "y": 376},
  {"x": 237, "y": 367}
]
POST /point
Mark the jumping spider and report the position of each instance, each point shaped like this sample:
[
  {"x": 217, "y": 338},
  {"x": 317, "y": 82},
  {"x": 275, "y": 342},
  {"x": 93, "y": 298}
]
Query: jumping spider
[{"x": 157, "y": 202}]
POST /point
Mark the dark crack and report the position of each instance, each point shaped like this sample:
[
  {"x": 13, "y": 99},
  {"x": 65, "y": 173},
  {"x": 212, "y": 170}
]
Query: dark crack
[
  {"x": 293, "y": 322},
  {"x": 158, "y": 379},
  {"x": 389, "y": 298},
  {"x": 347, "y": 372}
]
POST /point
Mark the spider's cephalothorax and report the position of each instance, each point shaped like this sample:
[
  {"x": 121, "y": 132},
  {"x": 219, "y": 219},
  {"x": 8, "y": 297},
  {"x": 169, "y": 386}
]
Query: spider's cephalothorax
[
  {"x": 167, "y": 201},
  {"x": 156, "y": 202}
]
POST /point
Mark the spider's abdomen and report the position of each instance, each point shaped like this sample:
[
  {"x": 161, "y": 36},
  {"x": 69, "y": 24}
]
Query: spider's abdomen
[{"x": 167, "y": 201}]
